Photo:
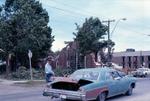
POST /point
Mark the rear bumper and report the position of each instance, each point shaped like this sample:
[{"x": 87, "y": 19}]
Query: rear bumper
[{"x": 63, "y": 94}]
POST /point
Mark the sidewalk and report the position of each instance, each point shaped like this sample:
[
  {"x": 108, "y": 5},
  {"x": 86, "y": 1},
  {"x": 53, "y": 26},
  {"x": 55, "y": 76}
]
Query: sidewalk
[
  {"x": 6, "y": 82},
  {"x": 10, "y": 82}
]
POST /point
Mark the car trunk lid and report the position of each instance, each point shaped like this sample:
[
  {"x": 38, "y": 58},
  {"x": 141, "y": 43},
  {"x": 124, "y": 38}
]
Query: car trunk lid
[{"x": 71, "y": 85}]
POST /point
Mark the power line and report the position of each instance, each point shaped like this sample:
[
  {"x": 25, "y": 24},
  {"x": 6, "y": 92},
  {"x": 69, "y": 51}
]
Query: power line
[
  {"x": 136, "y": 32},
  {"x": 139, "y": 32},
  {"x": 68, "y": 11},
  {"x": 85, "y": 12},
  {"x": 72, "y": 13},
  {"x": 143, "y": 24},
  {"x": 131, "y": 25},
  {"x": 65, "y": 12},
  {"x": 63, "y": 4}
]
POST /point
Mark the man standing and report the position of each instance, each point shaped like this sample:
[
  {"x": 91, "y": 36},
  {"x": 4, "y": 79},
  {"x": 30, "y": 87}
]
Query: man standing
[{"x": 48, "y": 69}]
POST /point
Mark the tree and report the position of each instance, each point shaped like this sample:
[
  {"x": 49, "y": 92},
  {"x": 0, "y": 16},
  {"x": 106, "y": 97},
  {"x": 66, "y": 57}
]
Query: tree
[
  {"x": 91, "y": 36},
  {"x": 24, "y": 26}
]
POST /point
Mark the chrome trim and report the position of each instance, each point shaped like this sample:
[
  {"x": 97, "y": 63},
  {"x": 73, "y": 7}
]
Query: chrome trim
[{"x": 72, "y": 95}]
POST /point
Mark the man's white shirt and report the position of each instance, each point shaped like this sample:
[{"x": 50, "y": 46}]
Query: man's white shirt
[{"x": 48, "y": 68}]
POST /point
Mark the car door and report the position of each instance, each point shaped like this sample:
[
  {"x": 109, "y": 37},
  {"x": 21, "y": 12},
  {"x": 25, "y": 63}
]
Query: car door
[
  {"x": 112, "y": 84},
  {"x": 118, "y": 80},
  {"x": 124, "y": 82}
]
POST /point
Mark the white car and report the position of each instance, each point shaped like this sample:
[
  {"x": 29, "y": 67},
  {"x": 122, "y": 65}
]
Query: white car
[{"x": 141, "y": 72}]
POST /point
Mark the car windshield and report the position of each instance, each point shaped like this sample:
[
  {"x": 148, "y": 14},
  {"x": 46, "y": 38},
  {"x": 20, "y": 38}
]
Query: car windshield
[{"x": 88, "y": 75}]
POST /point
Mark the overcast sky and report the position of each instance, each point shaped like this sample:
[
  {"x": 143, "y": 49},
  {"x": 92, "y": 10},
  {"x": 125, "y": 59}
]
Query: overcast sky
[{"x": 132, "y": 33}]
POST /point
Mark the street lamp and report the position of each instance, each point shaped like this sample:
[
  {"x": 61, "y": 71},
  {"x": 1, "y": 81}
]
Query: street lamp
[
  {"x": 30, "y": 56},
  {"x": 108, "y": 24},
  {"x": 123, "y": 19}
]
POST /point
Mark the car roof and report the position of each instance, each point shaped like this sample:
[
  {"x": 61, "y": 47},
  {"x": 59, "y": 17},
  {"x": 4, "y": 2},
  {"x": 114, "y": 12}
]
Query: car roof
[{"x": 100, "y": 69}]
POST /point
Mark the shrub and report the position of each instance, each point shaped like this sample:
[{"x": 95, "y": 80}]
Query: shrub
[
  {"x": 21, "y": 73},
  {"x": 24, "y": 74}
]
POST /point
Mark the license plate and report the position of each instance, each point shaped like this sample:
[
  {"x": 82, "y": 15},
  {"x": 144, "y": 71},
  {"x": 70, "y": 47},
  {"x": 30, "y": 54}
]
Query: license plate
[{"x": 63, "y": 96}]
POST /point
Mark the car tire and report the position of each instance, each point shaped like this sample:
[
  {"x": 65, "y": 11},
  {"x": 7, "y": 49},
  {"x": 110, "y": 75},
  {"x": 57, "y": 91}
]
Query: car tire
[
  {"x": 130, "y": 91},
  {"x": 101, "y": 97},
  {"x": 63, "y": 100},
  {"x": 145, "y": 74}
]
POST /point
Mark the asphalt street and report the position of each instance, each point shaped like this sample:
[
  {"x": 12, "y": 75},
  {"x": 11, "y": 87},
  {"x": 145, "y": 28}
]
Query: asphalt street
[{"x": 20, "y": 93}]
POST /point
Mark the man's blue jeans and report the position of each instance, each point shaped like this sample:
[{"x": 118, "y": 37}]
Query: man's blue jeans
[{"x": 48, "y": 77}]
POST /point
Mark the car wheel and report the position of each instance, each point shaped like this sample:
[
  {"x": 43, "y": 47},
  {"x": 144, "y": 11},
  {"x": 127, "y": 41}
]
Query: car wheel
[
  {"x": 101, "y": 97},
  {"x": 130, "y": 90},
  {"x": 145, "y": 74}
]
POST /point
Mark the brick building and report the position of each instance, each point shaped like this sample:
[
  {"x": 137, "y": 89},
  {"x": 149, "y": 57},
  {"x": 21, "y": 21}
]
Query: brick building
[
  {"x": 132, "y": 59},
  {"x": 69, "y": 57}
]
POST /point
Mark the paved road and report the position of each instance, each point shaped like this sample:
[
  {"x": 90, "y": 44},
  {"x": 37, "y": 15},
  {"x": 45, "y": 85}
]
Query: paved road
[{"x": 16, "y": 93}]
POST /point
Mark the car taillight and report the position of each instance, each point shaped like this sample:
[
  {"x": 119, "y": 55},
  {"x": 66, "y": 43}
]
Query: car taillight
[
  {"x": 48, "y": 85},
  {"x": 81, "y": 90}
]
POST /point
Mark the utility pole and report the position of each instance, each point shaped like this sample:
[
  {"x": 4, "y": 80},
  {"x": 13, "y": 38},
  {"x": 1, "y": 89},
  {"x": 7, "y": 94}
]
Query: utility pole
[
  {"x": 108, "y": 32},
  {"x": 109, "y": 40}
]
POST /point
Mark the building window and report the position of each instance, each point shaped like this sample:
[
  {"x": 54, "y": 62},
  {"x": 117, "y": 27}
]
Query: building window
[
  {"x": 135, "y": 62},
  {"x": 129, "y": 62},
  {"x": 148, "y": 58},
  {"x": 123, "y": 62},
  {"x": 142, "y": 60}
]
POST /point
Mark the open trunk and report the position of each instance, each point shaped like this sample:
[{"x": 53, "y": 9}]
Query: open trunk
[{"x": 70, "y": 85}]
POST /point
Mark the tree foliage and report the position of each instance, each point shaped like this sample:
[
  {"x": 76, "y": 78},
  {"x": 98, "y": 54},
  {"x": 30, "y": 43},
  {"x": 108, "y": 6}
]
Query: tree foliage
[
  {"x": 24, "y": 26},
  {"x": 91, "y": 36}
]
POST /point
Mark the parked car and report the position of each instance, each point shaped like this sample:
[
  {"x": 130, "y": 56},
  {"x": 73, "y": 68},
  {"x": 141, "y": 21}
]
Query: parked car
[
  {"x": 141, "y": 72},
  {"x": 91, "y": 84}
]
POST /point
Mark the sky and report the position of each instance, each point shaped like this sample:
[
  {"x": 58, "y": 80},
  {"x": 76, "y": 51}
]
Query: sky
[{"x": 131, "y": 33}]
